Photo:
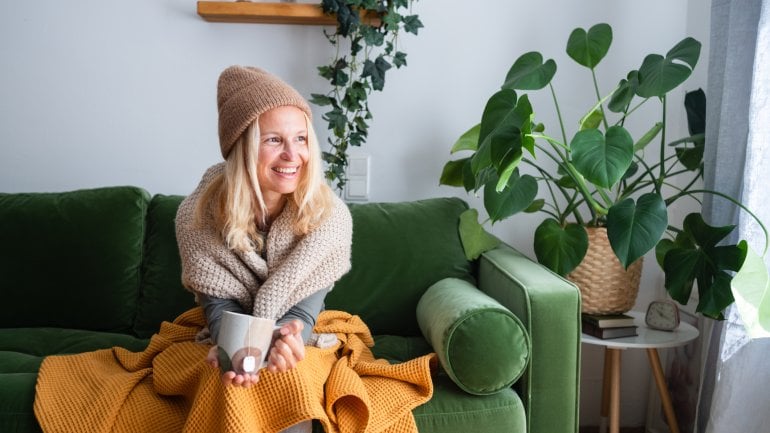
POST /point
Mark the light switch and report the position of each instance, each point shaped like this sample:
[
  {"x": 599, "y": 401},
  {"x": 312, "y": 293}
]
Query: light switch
[{"x": 357, "y": 187}]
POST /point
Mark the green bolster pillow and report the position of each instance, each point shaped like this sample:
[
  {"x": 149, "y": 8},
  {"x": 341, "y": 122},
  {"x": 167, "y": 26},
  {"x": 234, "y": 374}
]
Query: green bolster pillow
[{"x": 483, "y": 347}]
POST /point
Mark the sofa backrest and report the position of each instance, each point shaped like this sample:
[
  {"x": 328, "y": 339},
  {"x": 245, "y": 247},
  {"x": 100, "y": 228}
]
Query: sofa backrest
[
  {"x": 71, "y": 259},
  {"x": 162, "y": 296},
  {"x": 106, "y": 259},
  {"x": 399, "y": 251}
]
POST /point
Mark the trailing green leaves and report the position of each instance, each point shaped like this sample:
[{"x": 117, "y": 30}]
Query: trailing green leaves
[{"x": 355, "y": 74}]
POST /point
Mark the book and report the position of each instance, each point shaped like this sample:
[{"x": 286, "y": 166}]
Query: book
[
  {"x": 607, "y": 333},
  {"x": 609, "y": 320}
]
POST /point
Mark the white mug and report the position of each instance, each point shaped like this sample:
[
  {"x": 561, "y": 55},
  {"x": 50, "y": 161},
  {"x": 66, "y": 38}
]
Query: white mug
[{"x": 244, "y": 342}]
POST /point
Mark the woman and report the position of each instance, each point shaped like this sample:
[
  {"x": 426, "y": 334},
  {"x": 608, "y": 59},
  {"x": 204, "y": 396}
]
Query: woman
[{"x": 262, "y": 233}]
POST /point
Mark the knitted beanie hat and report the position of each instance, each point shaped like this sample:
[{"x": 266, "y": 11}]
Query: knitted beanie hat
[{"x": 243, "y": 93}]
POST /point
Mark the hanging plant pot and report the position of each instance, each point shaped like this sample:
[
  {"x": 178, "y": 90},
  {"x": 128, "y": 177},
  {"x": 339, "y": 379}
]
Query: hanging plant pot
[{"x": 605, "y": 287}]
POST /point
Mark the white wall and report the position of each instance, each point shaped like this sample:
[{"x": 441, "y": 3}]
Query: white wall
[{"x": 97, "y": 92}]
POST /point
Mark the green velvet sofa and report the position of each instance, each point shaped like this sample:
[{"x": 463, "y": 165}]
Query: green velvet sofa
[{"x": 96, "y": 268}]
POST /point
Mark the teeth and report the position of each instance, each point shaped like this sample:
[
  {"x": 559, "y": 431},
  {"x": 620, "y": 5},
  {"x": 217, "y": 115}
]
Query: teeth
[{"x": 286, "y": 170}]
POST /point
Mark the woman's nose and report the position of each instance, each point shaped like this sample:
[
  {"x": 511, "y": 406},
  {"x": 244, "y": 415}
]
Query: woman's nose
[{"x": 289, "y": 151}]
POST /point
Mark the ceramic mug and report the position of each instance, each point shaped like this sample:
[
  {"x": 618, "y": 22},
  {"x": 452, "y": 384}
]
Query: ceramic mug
[{"x": 244, "y": 342}]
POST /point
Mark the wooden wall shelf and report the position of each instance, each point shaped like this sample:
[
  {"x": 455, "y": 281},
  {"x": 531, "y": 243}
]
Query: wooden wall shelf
[{"x": 264, "y": 12}]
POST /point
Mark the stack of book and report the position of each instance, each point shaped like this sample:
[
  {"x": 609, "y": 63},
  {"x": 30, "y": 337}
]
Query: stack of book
[{"x": 609, "y": 325}]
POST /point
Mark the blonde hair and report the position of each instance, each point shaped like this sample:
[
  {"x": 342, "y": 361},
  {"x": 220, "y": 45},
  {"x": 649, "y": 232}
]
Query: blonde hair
[{"x": 236, "y": 197}]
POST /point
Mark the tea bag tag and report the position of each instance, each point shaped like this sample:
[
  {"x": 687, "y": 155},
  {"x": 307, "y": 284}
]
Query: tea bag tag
[{"x": 249, "y": 364}]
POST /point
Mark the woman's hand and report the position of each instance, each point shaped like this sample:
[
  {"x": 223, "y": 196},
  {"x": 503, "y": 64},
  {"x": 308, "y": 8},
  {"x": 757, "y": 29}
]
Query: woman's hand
[
  {"x": 230, "y": 377},
  {"x": 288, "y": 349}
]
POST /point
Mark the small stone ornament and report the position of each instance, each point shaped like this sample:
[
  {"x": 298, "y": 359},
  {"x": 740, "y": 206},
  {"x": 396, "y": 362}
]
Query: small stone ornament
[{"x": 662, "y": 315}]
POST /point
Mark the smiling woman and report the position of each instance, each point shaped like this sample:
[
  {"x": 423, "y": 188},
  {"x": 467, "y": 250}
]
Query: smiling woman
[{"x": 263, "y": 234}]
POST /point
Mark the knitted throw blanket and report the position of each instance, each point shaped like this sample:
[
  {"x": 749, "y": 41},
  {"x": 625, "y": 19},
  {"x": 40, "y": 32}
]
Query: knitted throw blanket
[
  {"x": 170, "y": 388},
  {"x": 295, "y": 266}
]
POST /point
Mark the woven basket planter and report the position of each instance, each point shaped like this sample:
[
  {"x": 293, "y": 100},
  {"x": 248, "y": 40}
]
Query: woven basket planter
[{"x": 605, "y": 287}]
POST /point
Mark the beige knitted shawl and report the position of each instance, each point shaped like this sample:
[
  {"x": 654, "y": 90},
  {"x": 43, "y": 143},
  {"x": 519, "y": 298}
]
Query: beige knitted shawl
[{"x": 295, "y": 266}]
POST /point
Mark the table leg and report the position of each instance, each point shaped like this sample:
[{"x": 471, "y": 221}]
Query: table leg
[
  {"x": 615, "y": 391},
  {"x": 665, "y": 397},
  {"x": 605, "y": 409}
]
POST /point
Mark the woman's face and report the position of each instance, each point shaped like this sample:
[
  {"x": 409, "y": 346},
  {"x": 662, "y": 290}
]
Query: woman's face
[{"x": 283, "y": 151}]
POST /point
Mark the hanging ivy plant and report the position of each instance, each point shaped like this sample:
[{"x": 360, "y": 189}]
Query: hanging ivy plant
[{"x": 365, "y": 51}]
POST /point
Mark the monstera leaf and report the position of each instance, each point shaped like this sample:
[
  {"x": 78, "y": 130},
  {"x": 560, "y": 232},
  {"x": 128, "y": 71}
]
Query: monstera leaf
[
  {"x": 659, "y": 75},
  {"x": 517, "y": 196},
  {"x": 589, "y": 48},
  {"x": 560, "y": 249},
  {"x": 474, "y": 238},
  {"x": 529, "y": 72},
  {"x": 602, "y": 159},
  {"x": 635, "y": 228},
  {"x": 695, "y": 256}
]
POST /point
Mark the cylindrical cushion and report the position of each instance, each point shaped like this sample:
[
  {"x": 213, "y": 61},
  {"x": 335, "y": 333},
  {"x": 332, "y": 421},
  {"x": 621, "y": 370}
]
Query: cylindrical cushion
[{"x": 483, "y": 347}]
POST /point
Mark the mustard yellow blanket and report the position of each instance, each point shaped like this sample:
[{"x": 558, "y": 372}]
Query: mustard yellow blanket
[{"x": 169, "y": 388}]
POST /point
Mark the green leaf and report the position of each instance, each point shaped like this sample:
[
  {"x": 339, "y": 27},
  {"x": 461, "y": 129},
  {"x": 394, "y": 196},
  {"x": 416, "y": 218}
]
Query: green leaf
[
  {"x": 751, "y": 290},
  {"x": 589, "y": 48},
  {"x": 695, "y": 257},
  {"x": 592, "y": 119},
  {"x": 320, "y": 100},
  {"x": 498, "y": 117},
  {"x": 560, "y": 249},
  {"x": 372, "y": 36},
  {"x": 663, "y": 247},
  {"x": 602, "y": 160},
  {"x": 695, "y": 106},
  {"x": 529, "y": 72},
  {"x": 376, "y": 71},
  {"x": 474, "y": 238},
  {"x": 659, "y": 75},
  {"x": 452, "y": 174},
  {"x": 648, "y": 137},
  {"x": 468, "y": 141},
  {"x": 635, "y": 228},
  {"x": 517, "y": 196},
  {"x": 412, "y": 24},
  {"x": 399, "y": 59},
  {"x": 624, "y": 93},
  {"x": 536, "y": 206}
]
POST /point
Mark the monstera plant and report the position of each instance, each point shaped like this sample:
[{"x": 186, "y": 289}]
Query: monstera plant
[{"x": 599, "y": 175}]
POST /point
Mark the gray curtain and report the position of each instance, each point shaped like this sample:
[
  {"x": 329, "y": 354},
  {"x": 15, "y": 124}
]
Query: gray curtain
[{"x": 735, "y": 374}]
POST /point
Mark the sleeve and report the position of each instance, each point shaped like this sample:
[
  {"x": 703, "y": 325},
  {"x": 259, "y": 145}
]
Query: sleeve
[
  {"x": 214, "y": 308},
  {"x": 306, "y": 311}
]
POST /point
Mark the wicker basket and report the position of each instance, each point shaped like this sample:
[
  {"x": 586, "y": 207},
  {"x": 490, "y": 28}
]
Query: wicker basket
[{"x": 606, "y": 288}]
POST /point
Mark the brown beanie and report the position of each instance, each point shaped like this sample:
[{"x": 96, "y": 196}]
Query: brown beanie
[{"x": 243, "y": 93}]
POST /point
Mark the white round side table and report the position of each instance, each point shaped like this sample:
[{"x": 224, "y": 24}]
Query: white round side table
[{"x": 651, "y": 340}]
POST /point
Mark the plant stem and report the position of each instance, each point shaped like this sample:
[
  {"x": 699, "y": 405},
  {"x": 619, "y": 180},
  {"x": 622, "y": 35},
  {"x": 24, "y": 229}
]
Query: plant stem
[
  {"x": 662, "y": 175},
  {"x": 628, "y": 113},
  {"x": 599, "y": 98},
  {"x": 558, "y": 114}
]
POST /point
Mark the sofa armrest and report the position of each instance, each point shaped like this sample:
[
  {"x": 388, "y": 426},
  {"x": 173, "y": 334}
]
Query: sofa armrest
[{"x": 549, "y": 307}]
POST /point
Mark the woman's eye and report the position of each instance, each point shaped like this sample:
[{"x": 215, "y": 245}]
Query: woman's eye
[
  {"x": 273, "y": 140},
  {"x": 302, "y": 139}
]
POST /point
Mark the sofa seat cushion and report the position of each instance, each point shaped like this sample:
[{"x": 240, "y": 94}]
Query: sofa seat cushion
[
  {"x": 22, "y": 350},
  {"x": 41, "y": 342},
  {"x": 452, "y": 410},
  {"x": 72, "y": 259}
]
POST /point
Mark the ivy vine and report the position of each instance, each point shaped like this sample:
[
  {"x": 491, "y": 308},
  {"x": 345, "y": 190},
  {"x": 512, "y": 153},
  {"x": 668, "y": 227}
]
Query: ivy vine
[{"x": 359, "y": 67}]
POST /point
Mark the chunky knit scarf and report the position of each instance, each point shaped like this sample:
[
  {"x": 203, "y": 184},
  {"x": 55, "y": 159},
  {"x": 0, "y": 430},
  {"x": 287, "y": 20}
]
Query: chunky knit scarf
[{"x": 295, "y": 266}]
